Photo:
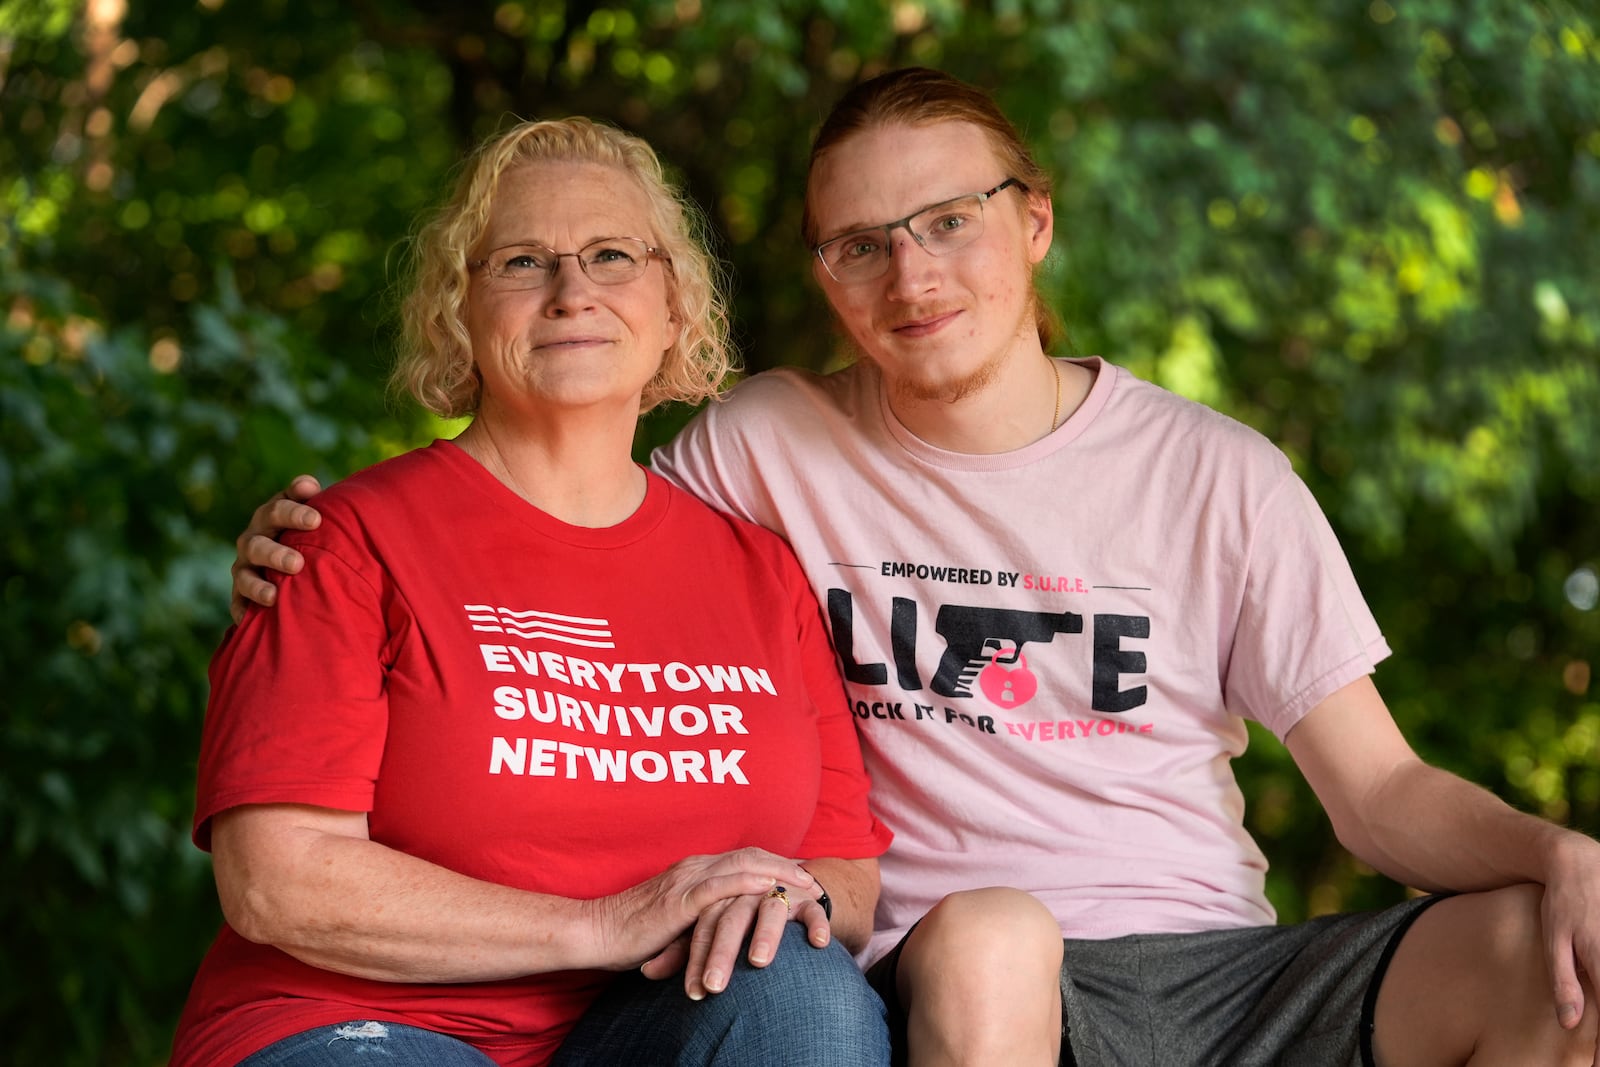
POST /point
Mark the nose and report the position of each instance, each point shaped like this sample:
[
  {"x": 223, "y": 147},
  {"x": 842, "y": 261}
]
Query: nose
[
  {"x": 912, "y": 268},
  {"x": 569, "y": 289}
]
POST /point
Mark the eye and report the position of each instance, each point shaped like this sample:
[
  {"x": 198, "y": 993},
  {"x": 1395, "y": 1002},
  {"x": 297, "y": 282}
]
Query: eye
[
  {"x": 611, "y": 255},
  {"x": 518, "y": 261},
  {"x": 858, "y": 246}
]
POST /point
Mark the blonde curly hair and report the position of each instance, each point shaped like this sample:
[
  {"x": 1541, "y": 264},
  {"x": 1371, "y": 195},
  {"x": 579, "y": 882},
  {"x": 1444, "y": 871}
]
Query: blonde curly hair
[{"x": 435, "y": 363}]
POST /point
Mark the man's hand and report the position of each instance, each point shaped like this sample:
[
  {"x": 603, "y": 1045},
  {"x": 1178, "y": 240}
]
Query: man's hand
[
  {"x": 1571, "y": 914},
  {"x": 258, "y": 547}
]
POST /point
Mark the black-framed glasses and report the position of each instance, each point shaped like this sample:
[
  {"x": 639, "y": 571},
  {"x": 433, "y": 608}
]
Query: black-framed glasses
[
  {"x": 606, "y": 261},
  {"x": 942, "y": 228}
]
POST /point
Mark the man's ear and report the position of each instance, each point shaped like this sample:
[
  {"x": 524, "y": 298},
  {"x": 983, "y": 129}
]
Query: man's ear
[{"x": 1040, "y": 218}]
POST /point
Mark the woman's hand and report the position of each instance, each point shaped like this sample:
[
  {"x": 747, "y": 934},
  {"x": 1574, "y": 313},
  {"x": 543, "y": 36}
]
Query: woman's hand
[
  {"x": 709, "y": 953},
  {"x": 258, "y": 547},
  {"x": 649, "y": 925}
]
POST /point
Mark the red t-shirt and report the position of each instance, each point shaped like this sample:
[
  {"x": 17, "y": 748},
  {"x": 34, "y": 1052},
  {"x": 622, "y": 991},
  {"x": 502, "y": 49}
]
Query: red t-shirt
[{"x": 561, "y": 709}]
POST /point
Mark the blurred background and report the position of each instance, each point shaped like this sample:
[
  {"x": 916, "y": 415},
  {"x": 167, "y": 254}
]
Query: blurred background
[{"x": 1370, "y": 230}]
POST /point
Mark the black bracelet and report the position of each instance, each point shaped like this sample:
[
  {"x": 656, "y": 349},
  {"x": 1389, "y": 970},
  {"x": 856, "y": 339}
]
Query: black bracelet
[{"x": 823, "y": 899}]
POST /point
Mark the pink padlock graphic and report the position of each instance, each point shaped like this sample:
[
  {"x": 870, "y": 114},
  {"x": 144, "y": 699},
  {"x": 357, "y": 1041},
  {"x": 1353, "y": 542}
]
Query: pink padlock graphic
[{"x": 1006, "y": 679}]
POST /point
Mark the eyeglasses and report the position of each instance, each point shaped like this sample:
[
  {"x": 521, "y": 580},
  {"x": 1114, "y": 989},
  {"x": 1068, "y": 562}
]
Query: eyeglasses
[
  {"x": 607, "y": 261},
  {"x": 946, "y": 227}
]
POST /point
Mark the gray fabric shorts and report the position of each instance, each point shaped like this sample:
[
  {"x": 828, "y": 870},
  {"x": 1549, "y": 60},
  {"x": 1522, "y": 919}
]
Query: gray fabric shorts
[{"x": 1289, "y": 996}]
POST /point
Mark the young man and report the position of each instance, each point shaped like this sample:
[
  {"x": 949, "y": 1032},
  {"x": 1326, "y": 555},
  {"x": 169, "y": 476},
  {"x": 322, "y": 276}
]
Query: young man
[{"x": 1057, "y": 592}]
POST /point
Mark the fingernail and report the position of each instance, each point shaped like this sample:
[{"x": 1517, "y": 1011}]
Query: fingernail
[
  {"x": 758, "y": 959},
  {"x": 713, "y": 981},
  {"x": 1568, "y": 1014},
  {"x": 697, "y": 994}
]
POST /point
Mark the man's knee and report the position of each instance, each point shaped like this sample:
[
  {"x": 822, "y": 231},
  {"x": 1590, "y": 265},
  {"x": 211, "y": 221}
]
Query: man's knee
[
  {"x": 980, "y": 979},
  {"x": 988, "y": 928},
  {"x": 1470, "y": 977}
]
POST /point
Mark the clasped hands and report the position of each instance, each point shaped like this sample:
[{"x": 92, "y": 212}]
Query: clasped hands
[{"x": 696, "y": 915}]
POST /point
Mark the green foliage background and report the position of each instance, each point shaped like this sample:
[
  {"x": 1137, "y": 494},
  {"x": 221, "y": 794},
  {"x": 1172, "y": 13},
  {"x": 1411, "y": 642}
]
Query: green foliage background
[{"x": 1369, "y": 230}]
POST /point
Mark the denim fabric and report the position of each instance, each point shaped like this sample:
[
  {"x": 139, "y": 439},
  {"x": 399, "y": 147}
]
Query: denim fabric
[
  {"x": 368, "y": 1044},
  {"x": 809, "y": 1006}
]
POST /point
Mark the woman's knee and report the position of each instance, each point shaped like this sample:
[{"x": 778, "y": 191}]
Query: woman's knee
[
  {"x": 801, "y": 972},
  {"x": 807, "y": 999},
  {"x": 808, "y": 1005}
]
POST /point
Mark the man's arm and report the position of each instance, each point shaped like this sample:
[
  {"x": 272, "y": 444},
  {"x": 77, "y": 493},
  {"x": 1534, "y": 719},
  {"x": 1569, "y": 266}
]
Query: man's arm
[{"x": 1431, "y": 829}]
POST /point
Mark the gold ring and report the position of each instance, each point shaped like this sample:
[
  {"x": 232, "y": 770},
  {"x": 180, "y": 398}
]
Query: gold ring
[{"x": 781, "y": 893}]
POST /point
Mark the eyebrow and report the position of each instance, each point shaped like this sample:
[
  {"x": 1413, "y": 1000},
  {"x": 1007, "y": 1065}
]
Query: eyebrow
[{"x": 545, "y": 244}]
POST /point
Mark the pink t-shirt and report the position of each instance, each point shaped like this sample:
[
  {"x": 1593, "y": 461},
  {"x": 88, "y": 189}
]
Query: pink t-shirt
[{"x": 1050, "y": 652}]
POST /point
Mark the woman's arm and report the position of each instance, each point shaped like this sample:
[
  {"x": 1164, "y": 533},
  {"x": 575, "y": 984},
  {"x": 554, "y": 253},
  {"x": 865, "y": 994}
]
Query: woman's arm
[{"x": 309, "y": 881}]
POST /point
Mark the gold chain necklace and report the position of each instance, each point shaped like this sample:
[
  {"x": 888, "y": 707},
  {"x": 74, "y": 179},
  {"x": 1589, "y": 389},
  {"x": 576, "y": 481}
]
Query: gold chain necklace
[{"x": 1055, "y": 420}]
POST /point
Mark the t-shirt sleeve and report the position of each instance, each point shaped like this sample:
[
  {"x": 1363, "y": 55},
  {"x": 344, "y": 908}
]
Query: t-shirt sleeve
[
  {"x": 710, "y": 458},
  {"x": 1304, "y": 630},
  {"x": 843, "y": 825},
  {"x": 297, "y": 712}
]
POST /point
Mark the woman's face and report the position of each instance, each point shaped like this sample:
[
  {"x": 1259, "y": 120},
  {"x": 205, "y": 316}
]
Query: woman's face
[{"x": 572, "y": 343}]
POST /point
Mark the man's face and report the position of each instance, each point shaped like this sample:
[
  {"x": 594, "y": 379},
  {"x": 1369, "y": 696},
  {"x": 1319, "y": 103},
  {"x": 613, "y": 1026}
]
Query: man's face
[{"x": 938, "y": 327}]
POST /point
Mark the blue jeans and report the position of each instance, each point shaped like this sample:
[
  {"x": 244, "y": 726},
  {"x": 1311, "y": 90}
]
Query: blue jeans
[
  {"x": 368, "y": 1044},
  {"x": 809, "y": 1006}
]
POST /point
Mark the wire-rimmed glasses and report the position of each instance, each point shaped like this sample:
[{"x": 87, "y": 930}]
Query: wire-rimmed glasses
[
  {"x": 942, "y": 228},
  {"x": 606, "y": 261}
]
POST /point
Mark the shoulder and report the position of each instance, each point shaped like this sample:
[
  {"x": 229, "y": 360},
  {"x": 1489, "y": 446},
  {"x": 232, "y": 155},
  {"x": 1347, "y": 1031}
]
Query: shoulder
[
  {"x": 727, "y": 538},
  {"x": 749, "y": 562},
  {"x": 385, "y": 492},
  {"x": 1179, "y": 428},
  {"x": 789, "y": 396},
  {"x": 741, "y": 452}
]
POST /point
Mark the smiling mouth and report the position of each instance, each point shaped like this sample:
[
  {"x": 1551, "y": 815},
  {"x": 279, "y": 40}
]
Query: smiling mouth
[
  {"x": 574, "y": 342},
  {"x": 925, "y": 324}
]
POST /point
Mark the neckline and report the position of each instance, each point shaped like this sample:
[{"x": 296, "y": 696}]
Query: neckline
[
  {"x": 638, "y": 525},
  {"x": 1063, "y": 435}
]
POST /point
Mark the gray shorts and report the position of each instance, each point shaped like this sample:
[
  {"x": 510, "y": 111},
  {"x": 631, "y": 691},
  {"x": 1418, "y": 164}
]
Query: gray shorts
[{"x": 1291, "y": 996}]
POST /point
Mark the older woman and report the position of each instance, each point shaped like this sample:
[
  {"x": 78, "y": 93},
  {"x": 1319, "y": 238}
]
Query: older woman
[{"x": 451, "y": 782}]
